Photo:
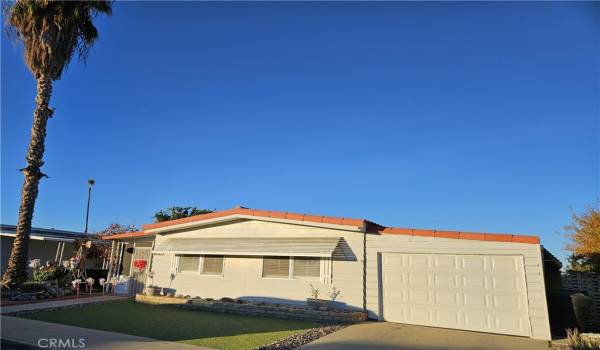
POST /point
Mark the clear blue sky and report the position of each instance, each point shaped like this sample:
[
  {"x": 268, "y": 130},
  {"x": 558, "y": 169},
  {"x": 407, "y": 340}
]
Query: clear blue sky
[{"x": 464, "y": 116}]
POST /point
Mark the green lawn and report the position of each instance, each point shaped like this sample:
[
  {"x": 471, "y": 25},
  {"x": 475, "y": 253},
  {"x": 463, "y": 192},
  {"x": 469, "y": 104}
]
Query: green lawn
[{"x": 214, "y": 330}]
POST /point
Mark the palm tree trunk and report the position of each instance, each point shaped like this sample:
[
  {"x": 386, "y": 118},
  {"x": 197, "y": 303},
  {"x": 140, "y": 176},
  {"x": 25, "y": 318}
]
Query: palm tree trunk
[{"x": 16, "y": 270}]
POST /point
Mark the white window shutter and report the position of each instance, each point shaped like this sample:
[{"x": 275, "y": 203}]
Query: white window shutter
[{"x": 326, "y": 270}]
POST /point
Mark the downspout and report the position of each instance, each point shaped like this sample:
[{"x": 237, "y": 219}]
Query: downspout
[{"x": 364, "y": 277}]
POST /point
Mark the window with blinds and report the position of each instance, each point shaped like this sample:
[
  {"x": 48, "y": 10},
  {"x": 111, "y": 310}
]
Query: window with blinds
[
  {"x": 307, "y": 268},
  {"x": 212, "y": 265},
  {"x": 188, "y": 263},
  {"x": 276, "y": 266}
]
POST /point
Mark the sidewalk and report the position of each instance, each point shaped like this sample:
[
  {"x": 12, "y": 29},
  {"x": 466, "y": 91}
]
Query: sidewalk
[
  {"x": 38, "y": 333},
  {"x": 58, "y": 303}
]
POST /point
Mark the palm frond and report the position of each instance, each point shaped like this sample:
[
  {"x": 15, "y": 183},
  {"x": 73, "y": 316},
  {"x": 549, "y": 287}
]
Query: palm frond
[{"x": 53, "y": 31}]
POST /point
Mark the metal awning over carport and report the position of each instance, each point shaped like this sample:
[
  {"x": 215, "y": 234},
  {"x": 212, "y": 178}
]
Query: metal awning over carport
[{"x": 298, "y": 246}]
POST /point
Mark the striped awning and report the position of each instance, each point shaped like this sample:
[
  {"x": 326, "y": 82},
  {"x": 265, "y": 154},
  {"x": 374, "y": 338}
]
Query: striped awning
[{"x": 300, "y": 246}]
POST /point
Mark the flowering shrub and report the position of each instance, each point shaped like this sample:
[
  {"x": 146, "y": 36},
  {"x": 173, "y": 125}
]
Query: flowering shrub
[
  {"x": 35, "y": 264},
  {"x": 140, "y": 264},
  {"x": 44, "y": 272}
]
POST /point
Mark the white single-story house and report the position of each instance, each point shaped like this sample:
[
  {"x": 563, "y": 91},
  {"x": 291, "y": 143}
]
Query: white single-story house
[
  {"x": 44, "y": 244},
  {"x": 462, "y": 280}
]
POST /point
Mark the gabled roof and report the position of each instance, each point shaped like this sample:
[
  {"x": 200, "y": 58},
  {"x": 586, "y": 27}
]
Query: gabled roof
[
  {"x": 355, "y": 224},
  {"x": 358, "y": 223}
]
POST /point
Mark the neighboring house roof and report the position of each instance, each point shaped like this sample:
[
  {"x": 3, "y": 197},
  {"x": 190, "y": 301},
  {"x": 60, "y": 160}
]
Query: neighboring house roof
[
  {"x": 550, "y": 258},
  {"x": 38, "y": 233},
  {"x": 357, "y": 224}
]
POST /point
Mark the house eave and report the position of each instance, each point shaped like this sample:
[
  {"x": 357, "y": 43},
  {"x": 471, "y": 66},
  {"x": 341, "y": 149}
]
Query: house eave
[{"x": 235, "y": 217}]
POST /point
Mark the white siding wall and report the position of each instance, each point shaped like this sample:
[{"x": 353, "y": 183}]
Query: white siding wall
[{"x": 242, "y": 275}]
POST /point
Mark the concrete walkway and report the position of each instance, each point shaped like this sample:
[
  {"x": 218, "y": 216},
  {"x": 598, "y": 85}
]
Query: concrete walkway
[
  {"x": 395, "y": 336},
  {"x": 41, "y": 334},
  {"x": 59, "y": 303}
]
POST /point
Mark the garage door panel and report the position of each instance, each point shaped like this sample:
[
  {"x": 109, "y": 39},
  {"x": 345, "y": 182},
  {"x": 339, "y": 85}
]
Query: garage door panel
[
  {"x": 419, "y": 315},
  {"x": 418, "y": 262},
  {"x": 473, "y": 263},
  {"x": 443, "y": 263},
  {"x": 394, "y": 260},
  {"x": 416, "y": 279},
  {"x": 447, "y": 318},
  {"x": 477, "y": 320},
  {"x": 507, "y": 302},
  {"x": 396, "y": 297},
  {"x": 507, "y": 321},
  {"x": 396, "y": 278},
  {"x": 505, "y": 283},
  {"x": 445, "y": 281},
  {"x": 505, "y": 265},
  {"x": 475, "y": 300},
  {"x": 418, "y": 297},
  {"x": 447, "y": 298},
  {"x": 472, "y": 292},
  {"x": 475, "y": 282}
]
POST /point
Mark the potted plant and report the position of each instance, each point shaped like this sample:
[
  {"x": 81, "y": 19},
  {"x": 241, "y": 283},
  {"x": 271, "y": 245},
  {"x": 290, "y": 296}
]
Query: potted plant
[
  {"x": 315, "y": 303},
  {"x": 333, "y": 303},
  {"x": 152, "y": 290}
]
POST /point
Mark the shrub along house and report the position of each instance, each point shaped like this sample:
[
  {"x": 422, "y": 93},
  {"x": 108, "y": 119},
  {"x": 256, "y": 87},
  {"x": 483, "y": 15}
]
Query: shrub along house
[{"x": 472, "y": 281}]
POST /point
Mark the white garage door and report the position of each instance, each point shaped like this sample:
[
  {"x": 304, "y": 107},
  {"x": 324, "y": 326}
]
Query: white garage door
[{"x": 484, "y": 293}]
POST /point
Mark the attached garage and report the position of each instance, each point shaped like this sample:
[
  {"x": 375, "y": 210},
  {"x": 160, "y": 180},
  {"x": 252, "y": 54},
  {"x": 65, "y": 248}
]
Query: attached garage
[
  {"x": 476, "y": 282},
  {"x": 484, "y": 293}
]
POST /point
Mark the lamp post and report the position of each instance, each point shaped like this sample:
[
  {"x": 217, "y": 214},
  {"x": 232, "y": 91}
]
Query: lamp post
[{"x": 91, "y": 183}]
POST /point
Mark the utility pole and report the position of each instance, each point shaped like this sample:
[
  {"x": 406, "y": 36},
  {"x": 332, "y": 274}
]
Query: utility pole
[{"x": 91, "y": 183}]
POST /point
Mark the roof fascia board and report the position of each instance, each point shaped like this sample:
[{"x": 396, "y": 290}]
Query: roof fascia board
[
  {"x": 39, "y": 238},
  {"x": 233, "y": 217}
]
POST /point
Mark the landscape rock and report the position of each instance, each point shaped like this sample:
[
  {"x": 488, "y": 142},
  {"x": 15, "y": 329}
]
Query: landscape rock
[{"x": 300, "y": 339}]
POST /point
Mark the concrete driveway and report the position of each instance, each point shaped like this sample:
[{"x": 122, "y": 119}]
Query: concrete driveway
[{"x": 385, "y": 335}]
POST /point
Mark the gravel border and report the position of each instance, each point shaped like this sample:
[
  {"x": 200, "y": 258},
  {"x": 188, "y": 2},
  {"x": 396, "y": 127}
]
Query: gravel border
[{"x": 299, "y": 339}]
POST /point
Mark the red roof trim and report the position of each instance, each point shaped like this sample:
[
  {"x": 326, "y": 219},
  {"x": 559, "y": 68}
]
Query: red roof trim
[
  {"x": 358, "y": 223},
  {"x": 476, "y": 236}
]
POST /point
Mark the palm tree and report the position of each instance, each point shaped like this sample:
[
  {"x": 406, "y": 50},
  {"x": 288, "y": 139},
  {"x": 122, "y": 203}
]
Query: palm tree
[{"x": 52, "y": 32}]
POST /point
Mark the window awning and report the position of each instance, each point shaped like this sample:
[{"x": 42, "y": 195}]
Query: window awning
[{"x": 301, "y": 246}]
